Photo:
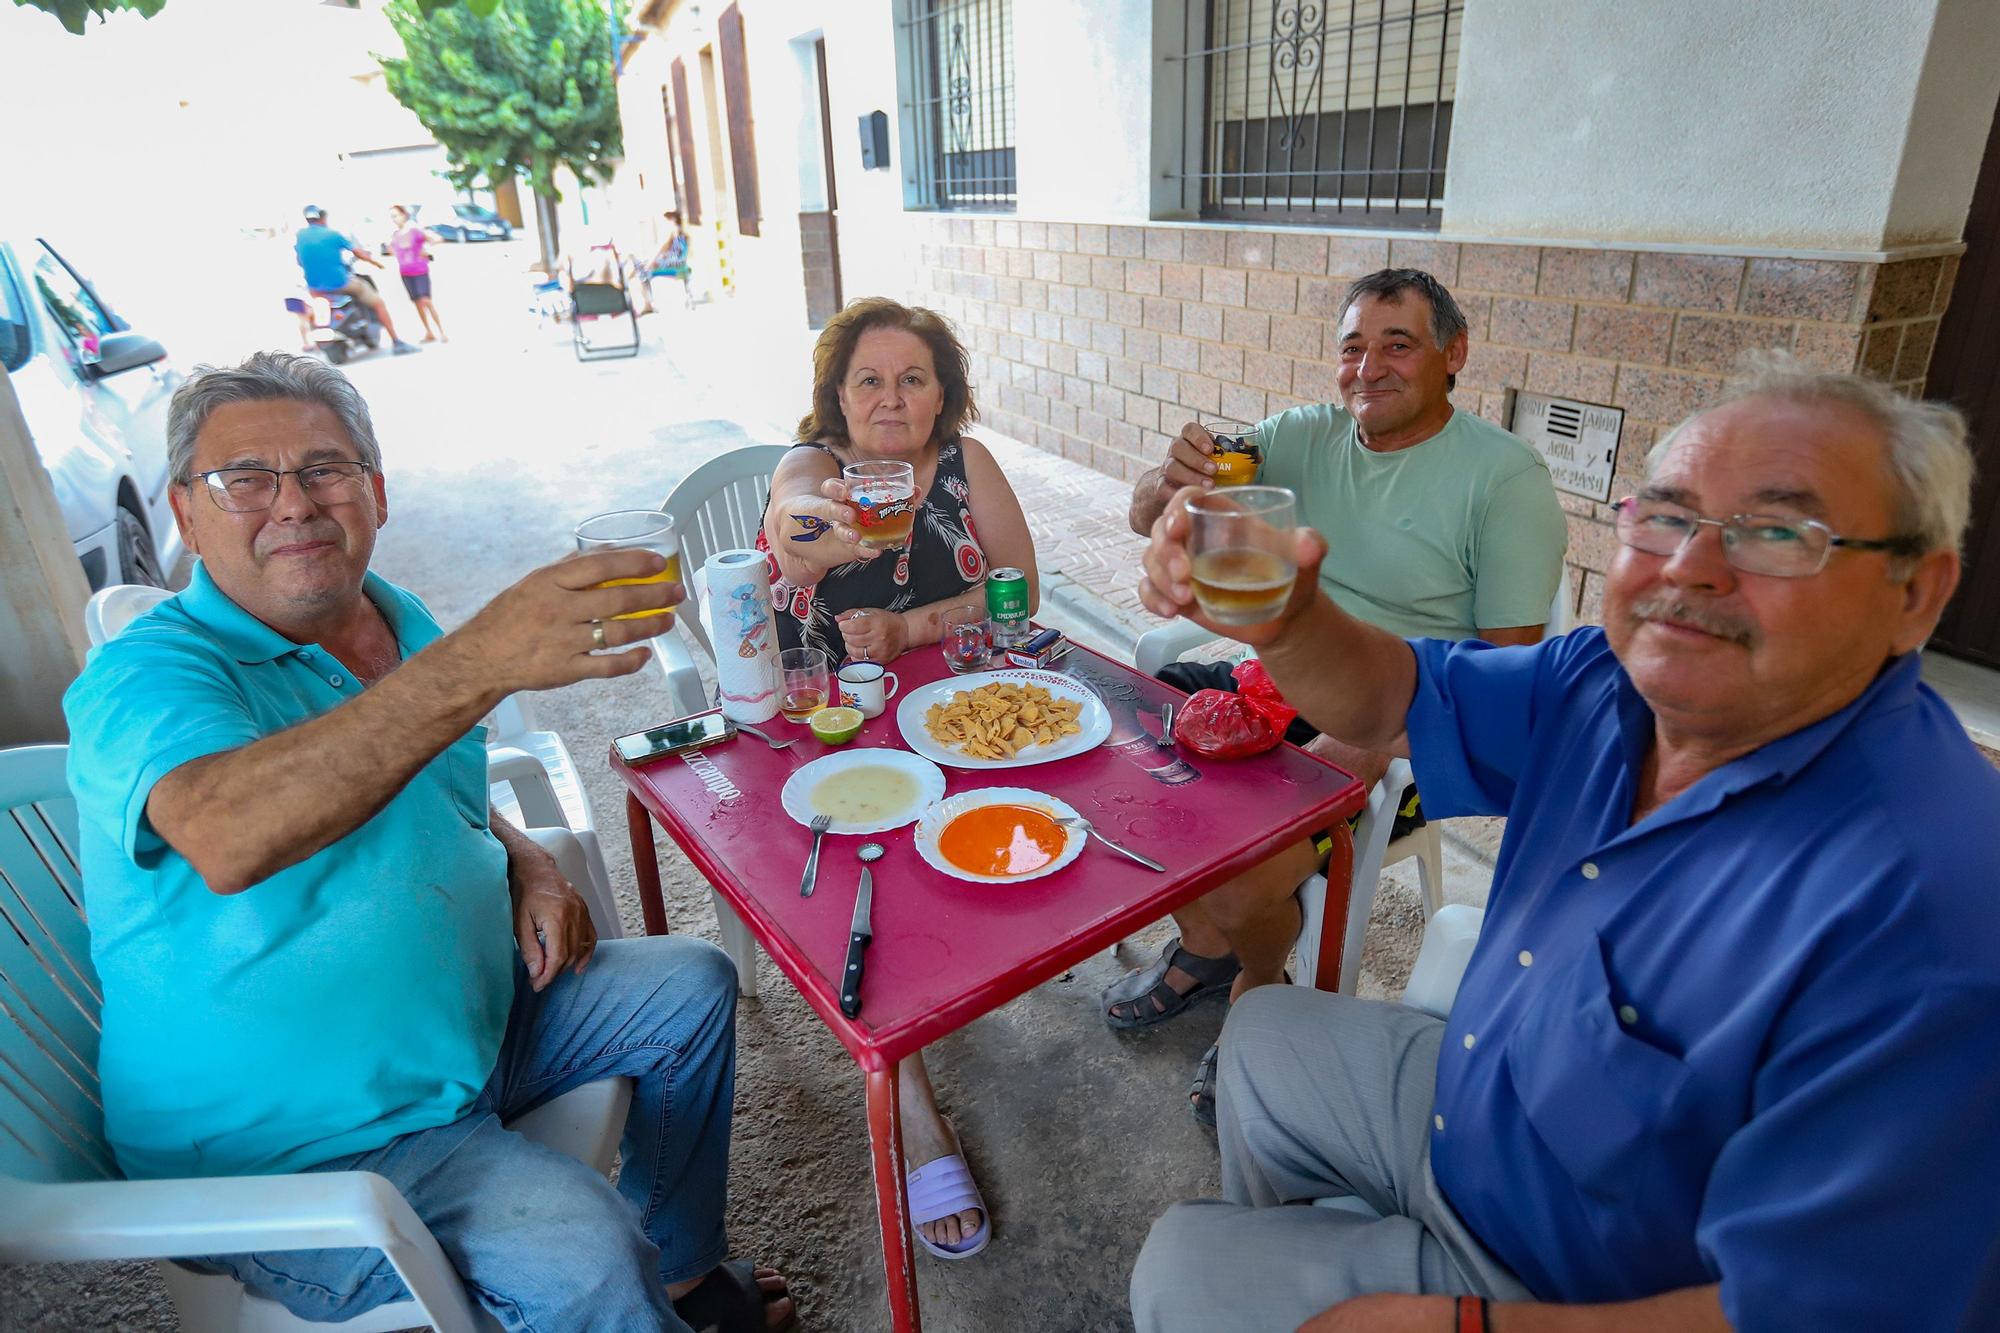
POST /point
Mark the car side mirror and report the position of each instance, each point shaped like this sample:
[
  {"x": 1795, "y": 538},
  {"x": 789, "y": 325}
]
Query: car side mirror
[{"x": 124, "y": 351}]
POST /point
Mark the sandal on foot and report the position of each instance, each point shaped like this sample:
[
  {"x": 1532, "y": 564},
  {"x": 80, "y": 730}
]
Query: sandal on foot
[
  {"x": 730, "y": 1301},
  {"x": 1150, "y": 999},
  {"x": 1201, "y": 1096},
  {"x": 941, "y": 1188}
]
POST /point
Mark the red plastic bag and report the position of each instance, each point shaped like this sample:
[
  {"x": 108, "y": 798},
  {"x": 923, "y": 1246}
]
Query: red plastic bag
[{"x": 1221, "y": 725}]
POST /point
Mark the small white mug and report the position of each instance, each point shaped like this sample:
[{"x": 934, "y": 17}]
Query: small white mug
[{"x": 867, "y": 686}]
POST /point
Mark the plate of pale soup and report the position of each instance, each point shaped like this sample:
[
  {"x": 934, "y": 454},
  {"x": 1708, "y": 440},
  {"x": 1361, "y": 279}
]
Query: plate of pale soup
[{"x": 864, "y": 791}]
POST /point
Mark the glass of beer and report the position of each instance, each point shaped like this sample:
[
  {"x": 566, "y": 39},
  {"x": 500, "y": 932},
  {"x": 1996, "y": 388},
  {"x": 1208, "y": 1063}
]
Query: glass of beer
[
  {"x": 884, "y": 496},
  {"x": 633, "y": 529},
  {"x": 1237, "y": 455},
  {"x": 806, "y": 682},
  {"x": 1242, "y": 547}
]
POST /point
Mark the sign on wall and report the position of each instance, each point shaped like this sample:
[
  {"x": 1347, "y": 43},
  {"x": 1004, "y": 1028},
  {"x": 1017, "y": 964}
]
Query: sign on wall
[{"x": 1579, "y": 440}]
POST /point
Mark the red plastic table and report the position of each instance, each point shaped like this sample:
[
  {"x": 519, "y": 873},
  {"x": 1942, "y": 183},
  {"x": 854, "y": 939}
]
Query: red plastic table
[{"x": 946, "y": 952}]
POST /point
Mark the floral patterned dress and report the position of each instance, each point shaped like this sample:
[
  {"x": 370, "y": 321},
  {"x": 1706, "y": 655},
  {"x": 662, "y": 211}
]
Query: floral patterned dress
[{"x": 942, "y": 559}]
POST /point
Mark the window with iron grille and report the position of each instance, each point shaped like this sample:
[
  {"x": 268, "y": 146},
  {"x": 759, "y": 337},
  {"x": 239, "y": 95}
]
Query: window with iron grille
[
  {"x": 1318, "y": 110},
  {"x": 958, "y": 103}
]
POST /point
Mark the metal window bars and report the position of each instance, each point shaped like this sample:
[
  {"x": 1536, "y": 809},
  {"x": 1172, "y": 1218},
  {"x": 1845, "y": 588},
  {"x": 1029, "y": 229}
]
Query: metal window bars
[
  {"x": 958, "y": 99},
  {"x": 1318, "y": 110}
]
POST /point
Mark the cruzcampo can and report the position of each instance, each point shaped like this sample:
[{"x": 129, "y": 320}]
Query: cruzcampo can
[{"x": 1007, "y": 608}]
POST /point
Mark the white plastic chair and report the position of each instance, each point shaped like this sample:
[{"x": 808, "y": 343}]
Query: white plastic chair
[
  {"x": 534, "y": 780},
  {"x": 717, "y": 507},
  {"x": 110, "y": 609},
  {"x": 1373, "y": 849},
  {"x": 61, "y": 1197}
]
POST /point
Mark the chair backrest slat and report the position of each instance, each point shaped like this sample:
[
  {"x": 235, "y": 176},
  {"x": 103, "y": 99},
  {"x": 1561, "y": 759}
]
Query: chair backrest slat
[
  {"x": 719, "y": 507},
  {"x": 51, "y": 1108}
]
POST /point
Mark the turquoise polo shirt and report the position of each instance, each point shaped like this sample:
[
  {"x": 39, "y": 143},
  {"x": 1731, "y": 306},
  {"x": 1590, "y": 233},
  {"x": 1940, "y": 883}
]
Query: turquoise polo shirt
[{"x": 355, "y": 996}]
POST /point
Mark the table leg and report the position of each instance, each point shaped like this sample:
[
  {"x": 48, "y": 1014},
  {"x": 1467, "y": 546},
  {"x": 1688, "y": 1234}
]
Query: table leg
[
  {"x": 899, "y": 1251},
  {"x": 646, "y": 865},
  {"x": 1339, "y": 890}
]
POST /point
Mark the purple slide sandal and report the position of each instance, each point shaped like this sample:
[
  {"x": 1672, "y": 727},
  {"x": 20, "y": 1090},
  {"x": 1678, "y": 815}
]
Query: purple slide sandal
[{"x": 943, "y": 1187}]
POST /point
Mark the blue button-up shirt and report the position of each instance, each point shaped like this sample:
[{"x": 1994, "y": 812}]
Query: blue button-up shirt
[
  {"x": 1749, "y": 1039},
  {"x": 357, "y": 995}
]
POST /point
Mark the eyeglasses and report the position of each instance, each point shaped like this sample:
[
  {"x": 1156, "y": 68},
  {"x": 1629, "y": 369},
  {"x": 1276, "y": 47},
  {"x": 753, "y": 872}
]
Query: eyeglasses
[
  {"x": 245, "y": 490},
  {"x": 1785, "y": 548}
]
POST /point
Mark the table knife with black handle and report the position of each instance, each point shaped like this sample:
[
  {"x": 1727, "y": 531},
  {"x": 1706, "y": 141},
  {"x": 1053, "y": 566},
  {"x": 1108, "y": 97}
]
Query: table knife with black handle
[{"x": 859, "y": 933}]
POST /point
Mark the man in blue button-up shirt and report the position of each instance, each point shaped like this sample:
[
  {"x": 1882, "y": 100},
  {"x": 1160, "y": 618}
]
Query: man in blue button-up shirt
[
  {"x": 1723, "y": 1054},
  {"x": 319, "y": 949}
]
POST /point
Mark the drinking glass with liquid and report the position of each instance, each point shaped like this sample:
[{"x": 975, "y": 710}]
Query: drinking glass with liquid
[
  {"x": 1241, "y": 544},
  {"x": 884, "y": 496},
  {"x": 633, "y": 529},
  {"x": 805, "y": 683},
  {"x": 962, "y": 639}
]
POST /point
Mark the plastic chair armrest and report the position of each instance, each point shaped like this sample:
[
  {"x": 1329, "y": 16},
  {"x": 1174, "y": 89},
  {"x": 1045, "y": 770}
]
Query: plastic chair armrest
[
  {"x": 533, "y": 791},
  {"x": 684, "y": 685},
  {"x": 1157, "y": 647}
]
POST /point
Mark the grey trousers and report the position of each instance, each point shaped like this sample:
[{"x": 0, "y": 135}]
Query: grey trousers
[{"x": 1321, "y": 1097}]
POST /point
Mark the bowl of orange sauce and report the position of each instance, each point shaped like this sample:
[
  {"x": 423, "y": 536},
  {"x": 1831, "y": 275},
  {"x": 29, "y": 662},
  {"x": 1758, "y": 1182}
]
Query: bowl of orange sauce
[{"x": 998, "y": 835}]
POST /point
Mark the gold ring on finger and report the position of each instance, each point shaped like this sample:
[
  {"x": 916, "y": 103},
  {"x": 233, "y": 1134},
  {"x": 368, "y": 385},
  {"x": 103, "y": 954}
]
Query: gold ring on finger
[{"x": 597, "y": 633}]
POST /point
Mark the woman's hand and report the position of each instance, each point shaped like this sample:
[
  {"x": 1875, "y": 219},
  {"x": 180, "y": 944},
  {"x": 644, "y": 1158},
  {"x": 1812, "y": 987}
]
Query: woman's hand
[
  {"x": 874, "y": 635},
  {"x": 820, "y": 530}
]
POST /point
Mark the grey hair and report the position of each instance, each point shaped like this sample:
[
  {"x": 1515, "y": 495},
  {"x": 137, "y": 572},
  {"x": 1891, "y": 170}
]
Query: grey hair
[
  {"x": 1447, "y": 320},
  {"x": 266, "y": 375},
  {"x": 1930, "y": 464}
]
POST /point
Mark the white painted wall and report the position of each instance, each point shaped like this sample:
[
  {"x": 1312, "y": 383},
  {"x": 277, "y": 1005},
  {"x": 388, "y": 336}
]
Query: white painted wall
[
  {"x": 1792, "y": 123},
  {"x": 1083, "y": 108}
]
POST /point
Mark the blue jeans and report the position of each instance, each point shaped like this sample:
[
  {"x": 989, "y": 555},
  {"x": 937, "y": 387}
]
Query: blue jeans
[{"x": 540, "y": 1239}]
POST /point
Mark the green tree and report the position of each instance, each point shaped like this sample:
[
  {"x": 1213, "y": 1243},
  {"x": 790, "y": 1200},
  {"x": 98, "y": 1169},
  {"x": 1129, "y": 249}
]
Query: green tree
[
  {"x": 74, "y": 13},
  {"x": 517, "y": 90}
]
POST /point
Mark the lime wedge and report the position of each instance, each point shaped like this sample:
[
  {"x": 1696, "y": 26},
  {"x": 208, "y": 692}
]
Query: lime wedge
[{"x": 836, "y": 726}]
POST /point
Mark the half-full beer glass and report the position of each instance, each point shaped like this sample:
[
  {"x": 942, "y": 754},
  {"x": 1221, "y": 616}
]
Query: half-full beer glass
[
  {"x": 633, "y": 530},
  {"x": 885, "y": 497},
  {"x": 1241, "y": 544}
]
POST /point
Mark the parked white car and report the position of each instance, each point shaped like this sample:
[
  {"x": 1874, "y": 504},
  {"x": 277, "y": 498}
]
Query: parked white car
[{"x": 94, "y": 393}]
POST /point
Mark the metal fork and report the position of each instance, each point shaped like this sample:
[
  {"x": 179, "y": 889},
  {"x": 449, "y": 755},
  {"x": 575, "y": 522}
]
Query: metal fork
[
  {"x": 1165, "y": 740},
  {"x": 810, "y": 879},
  {"x": 764, "y": 736}
]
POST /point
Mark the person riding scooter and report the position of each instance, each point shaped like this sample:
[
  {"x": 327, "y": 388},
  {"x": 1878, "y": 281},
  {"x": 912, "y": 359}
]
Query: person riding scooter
[{"x": 324, "y": 257}]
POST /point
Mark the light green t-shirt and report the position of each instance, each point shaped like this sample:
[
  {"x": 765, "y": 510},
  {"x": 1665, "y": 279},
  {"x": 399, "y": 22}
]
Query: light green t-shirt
[{"x": 1440, "y": 540}]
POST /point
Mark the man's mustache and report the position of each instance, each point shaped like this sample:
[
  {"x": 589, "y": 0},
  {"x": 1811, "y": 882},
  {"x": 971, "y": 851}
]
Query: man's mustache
[{"x": 1674, "y": 609}]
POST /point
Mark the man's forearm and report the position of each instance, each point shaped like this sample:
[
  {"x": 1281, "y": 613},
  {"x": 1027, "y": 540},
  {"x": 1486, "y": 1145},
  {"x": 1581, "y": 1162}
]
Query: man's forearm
[
  {"x": 1347, "y": 678},
  {"x": 243, "y": 816},
  {"x": 1689, "y": 1310},
  {"x": 1149, "y": 500}
]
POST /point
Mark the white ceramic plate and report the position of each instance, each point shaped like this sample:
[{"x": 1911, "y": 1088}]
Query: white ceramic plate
[
  {"x": 933, "y": 822},
  {"x": 799, "y": 788},
  {"x": 1095, "y": 719}
]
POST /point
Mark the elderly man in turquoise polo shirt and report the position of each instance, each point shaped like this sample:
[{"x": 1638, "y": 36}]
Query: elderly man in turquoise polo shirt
[{"x": 319, "y": 948}]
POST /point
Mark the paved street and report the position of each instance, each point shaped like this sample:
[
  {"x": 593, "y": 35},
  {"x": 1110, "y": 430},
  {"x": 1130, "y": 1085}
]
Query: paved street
[{"x": 495, "y": 445}]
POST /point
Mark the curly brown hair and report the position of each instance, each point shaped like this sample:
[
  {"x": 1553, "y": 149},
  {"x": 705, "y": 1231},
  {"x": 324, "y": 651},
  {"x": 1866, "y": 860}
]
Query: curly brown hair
[{"x": 835, "y": 350}]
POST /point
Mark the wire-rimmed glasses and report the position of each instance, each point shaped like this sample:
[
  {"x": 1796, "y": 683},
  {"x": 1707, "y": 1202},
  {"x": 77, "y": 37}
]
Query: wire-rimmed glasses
[{"x": 1781, "y": 546}]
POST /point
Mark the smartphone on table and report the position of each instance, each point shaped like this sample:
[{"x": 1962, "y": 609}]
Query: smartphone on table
[{"x": 675, "y": 737}]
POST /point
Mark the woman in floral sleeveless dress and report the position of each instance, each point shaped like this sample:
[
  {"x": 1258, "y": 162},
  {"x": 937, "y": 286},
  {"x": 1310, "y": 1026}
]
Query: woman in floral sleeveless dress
[{"x": 890, "y": 384}]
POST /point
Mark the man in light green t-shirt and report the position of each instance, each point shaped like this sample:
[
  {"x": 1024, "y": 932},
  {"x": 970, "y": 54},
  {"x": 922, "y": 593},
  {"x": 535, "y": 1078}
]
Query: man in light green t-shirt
[{"x": 1439, "y": 525}]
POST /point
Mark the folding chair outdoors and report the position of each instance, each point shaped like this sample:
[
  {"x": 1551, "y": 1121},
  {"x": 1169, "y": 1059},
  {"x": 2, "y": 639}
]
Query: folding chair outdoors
[{"x": 602, "y": 300}]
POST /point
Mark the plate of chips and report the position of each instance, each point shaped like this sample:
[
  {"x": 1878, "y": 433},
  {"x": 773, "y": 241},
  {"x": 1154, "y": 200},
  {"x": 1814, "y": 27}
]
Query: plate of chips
[{"x": 1002, "y": 719}]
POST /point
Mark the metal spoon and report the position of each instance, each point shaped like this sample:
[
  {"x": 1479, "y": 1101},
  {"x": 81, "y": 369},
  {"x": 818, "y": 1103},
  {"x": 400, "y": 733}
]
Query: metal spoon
[
  {"x": 1086, "y": 827},
  {"x": 859, "y": 933}
]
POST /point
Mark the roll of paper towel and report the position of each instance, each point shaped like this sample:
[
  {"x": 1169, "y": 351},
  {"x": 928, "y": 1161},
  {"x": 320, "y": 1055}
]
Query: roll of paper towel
[{"x": 737, "y": 609}]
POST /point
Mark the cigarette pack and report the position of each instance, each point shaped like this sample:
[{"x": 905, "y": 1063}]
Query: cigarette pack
[{"x": 1037, "y": 650}]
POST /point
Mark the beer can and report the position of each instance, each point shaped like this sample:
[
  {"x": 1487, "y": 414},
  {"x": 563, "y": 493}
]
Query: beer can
[{"x": 1007, "y": 607}]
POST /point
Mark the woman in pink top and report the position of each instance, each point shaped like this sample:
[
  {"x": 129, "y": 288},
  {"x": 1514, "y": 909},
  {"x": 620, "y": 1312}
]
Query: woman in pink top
[{"x": 413, "y": 261}]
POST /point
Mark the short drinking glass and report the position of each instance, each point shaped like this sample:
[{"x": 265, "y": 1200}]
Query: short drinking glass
[
  {"x": 962, "y": 636},
  {"x": 807, "y": 682},
  {"x": 885, "y": 496},
  {"x": 633, "y": 529},
  {"x": 1241, "y": 543}
]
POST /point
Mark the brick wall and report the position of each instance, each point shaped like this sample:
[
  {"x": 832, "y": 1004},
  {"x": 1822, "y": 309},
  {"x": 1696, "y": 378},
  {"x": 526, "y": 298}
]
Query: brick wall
[{"x": 1097, "y": 342}]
